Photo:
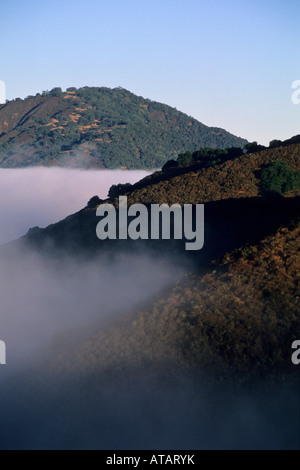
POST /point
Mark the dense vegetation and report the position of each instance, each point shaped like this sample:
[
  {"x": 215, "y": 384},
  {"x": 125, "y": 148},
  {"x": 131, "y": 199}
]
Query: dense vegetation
[
  {"x": 100, "y": 127},
  {"x": 270, "y": 177},
  {"x": 218, "y": 178},
  {"x": 237, "y": 311},
  {"x": 238, "y": 318},
  {"x": 279, "y": 178}
]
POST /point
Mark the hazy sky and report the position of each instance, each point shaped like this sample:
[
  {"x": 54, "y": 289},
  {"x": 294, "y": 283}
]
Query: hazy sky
[
  {"x": 228, "y": 63},
  {"x": 41, "y": 196}
]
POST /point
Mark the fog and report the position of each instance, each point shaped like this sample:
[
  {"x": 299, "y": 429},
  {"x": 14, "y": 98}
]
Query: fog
[
  {"x": 44, "y": 300},
  {"x": 41, "y": 196},
  {"x": 40, "y": 298}
]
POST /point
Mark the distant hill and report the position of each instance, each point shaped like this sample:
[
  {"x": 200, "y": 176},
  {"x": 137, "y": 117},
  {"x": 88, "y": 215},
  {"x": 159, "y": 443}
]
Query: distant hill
[{"x": 94, "y": 127}]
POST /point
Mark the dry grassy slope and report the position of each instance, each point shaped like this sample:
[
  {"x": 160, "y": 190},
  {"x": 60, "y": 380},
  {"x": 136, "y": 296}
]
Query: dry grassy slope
[
  {"x": 233, "y": 179},
  {"x": 16, "y": 115},
  {"x": 241, "y": 317}
]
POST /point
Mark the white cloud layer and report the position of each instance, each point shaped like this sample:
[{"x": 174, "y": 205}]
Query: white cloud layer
[{"x": 41, "y": 196}]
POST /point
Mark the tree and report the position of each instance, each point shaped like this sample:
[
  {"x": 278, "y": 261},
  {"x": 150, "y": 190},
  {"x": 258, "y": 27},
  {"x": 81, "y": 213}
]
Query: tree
[
  {"x": 57, "y": 91},
  {"x": 118, "y": 189},
  {"x": 254, "y": 147},
  {"x": 170, "y": 164},
  {"x": 94, "y": 201},
  {"x": 275, "y": 143},
  {"x": 185, "y": 158},
  {"x": 33, "y": 230},
  {"x": 234, "y": 152},
  {"x": 278, "y": 178}
]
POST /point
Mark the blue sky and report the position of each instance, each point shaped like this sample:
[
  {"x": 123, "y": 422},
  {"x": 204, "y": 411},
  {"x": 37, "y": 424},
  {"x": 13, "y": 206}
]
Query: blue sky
[{"x": 228, "y": 63}]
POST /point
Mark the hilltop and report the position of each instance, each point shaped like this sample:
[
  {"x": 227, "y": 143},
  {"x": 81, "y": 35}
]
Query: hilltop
[{"x": 94, "y": 127}]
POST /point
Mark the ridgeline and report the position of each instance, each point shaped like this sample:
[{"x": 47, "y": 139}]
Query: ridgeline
[{"x": 94, "y": 127}]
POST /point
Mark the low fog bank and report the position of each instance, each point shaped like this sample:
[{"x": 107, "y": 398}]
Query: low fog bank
[
  {"x": 40, "y": 196},
  {"x": 146, "y": 412},
  {"x": 42, "y": 297}
]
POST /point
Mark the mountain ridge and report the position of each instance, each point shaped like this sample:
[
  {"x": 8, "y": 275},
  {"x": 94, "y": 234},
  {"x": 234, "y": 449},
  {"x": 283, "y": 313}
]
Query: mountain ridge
[
  {"x": 99, "y": 127},
  {"x": 225, "y": 188}
]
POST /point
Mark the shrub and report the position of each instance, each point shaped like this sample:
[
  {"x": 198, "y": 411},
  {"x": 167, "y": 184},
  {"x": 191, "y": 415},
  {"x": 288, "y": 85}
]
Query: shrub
[
  {"x": 278, "y": 178},
  {"x": 118, "y": 189},
  {"x": 275, "y": 143},
  {"x": 57, "y": 91},
  {"x": 254, "y": 147},
  {"x": 170, "y": 164},
  {"x": 185, "y": 158},
  {"x": 94, "y": 201}
]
